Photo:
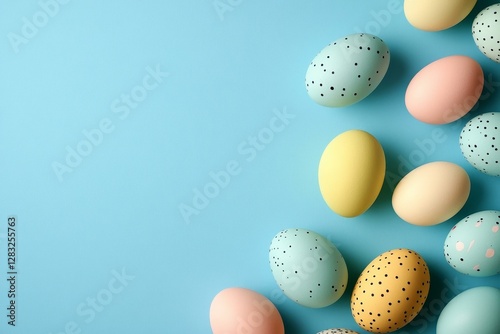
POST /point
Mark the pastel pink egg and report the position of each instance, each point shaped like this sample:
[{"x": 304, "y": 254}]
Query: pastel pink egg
[
  {"x": 240, "y": 310},
  {"x": 445, "y": 90}
]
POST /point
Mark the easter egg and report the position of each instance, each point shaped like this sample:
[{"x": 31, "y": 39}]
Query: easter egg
[
  {"x": 472, "y": 246},
  {"x": 241, "y": 310},
  {"x": 347, "y": 70},
  {"x": 431, "y": 15},
  {"x": 480, "y": 143},
  {"x": 351, "y": 172},
  {"x": 486, "y": 32},
  {"x": 445, "y": 90},
  {"x": 307, "y": 267},
  {"x": 474, "y": 310},
  {"x": 337, "y": 331},
  {"x": 431, "y": 194},
  {"x": 390, "y": 291}
]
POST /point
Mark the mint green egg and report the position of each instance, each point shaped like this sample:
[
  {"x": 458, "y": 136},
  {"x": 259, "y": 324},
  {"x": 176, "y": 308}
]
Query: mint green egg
[
  {"x": 307, "y": 267},
  {"x": 480, "y": 141},
  {"x": 347, "y": 70},
  {"x": 473, "y": 311}
]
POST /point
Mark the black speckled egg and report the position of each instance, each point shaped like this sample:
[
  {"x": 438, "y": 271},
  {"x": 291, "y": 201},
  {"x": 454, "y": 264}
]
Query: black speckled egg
[
  {"x": 480, "y": 143},
  {"x": 486, "y": 32},
  {"x": 307, "y": 267},
  {"x": 347, "y": 70}
]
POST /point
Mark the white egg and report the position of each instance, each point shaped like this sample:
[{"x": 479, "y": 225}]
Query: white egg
[{"x": 338, "y": 331}]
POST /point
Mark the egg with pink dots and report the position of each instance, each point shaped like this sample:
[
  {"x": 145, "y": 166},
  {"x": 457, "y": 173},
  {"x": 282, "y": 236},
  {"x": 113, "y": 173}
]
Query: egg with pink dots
[{"x": 472, "y": 247}]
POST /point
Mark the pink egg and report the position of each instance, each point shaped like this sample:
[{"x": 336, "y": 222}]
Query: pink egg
[
  {"x": 240, "y": 310},
  {"x": 445, "y": 90}
]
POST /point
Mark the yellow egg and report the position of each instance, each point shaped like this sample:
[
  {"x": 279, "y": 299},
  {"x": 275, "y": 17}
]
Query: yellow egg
[
  {"x": 432, "y": 193},
  {"x": 436, "y": 15},
  {"x": 390, "y": 291},
  {"x": 351, "y": 172}
]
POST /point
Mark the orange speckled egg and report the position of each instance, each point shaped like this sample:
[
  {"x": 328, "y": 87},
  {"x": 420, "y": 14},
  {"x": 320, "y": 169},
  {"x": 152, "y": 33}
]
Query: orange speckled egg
[
  {"x": 240, "y": 310},
  {"x": 390, "y": 291}
]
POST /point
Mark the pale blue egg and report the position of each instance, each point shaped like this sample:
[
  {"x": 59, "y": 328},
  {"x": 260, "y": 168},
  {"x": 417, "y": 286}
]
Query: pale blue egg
[
  {"x": 480, "y": 143},
  {"x": 307, "y": 267},
  {"x": 486, "y": 31},
  {"x": 347, "y": 70},
  {"x": 473, "y": 311},
  {"x": 472, "y": 246}
]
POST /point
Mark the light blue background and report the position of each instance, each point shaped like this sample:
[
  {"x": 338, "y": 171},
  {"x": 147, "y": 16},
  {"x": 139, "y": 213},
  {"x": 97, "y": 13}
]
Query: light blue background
[{"x": 118, "y": 211}]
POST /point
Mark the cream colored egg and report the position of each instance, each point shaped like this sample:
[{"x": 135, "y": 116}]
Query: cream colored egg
[
  {"x": 431, "y": 193},
  {"x": 436, "y": 15},
  {"x": 351, "y": 172}
]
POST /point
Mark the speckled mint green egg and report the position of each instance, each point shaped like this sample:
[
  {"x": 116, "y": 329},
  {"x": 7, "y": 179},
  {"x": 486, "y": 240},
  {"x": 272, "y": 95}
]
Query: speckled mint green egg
[
  {"x": 474, "y": 310},
  {"x": 347, "y": 70},
  {"x": 486, "y": 32},
  {"x": 472, "y": 246},
  {"x": 308, "y": 268},
  {"x": 338, "y": 331},
  {"x": 480, "y": 143}
]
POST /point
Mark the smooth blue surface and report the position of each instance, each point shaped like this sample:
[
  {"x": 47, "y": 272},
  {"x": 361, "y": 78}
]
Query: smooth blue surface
[{"x": 104, "y": 248}]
